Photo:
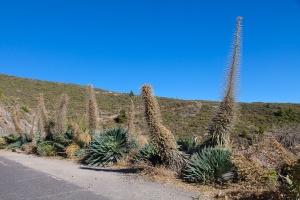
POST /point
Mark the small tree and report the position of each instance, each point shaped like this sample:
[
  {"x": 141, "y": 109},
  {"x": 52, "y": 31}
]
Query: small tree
[{"x": 131, "y": 94}]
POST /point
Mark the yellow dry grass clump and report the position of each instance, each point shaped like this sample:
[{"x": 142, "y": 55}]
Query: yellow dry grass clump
[
  {"x": 258, "y": 169},
  {"x": 82, "y": 138},
  {"x": 2, "y": 141},
  {"x": 29, "y": 148},
  {"x": 71, "y": 149}
]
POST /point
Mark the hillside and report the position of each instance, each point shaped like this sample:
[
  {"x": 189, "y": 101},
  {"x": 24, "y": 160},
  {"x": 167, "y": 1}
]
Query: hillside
[{"x": 182, "y": 117}]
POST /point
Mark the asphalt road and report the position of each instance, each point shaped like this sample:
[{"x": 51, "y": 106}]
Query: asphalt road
[
  {"x": 18, "y": 182},
  {"x": 31, "y": 177}
]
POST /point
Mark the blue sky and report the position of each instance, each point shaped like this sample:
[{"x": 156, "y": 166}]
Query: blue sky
[{"x": 179, "y": 47}]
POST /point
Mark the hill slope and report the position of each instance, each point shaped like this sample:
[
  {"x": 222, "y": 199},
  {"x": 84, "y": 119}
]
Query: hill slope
[{"x": 183, "y": 117}]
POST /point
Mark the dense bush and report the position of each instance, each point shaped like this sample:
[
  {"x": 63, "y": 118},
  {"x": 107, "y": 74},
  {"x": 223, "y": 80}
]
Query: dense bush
[
  {"x": 50, "y": 148},
  {"x": 186, "y": 144},
  {"x": 148, "y": 153},
  {"x": 209, "y": 165},
  {"x": 45, "y": 148},
  {"x": 3, "y": 143},
  {"x": 15, "y": 141},
  {"x": 121, "y": 118},
  {"x": 11, "y": 138},
  {"x": 289, "y": 137},
  {"x": 292, "y": 186},
  {"x": 109, "y": 147}
]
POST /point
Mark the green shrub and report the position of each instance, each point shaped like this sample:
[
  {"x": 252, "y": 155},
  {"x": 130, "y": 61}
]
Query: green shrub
[
  {"x": 25, "y": 109},
  {"x": 270, "y": 176},
  {"x": 108, "y": 147},
  {"x": 11, "y": 138},
  {"x": 3, "y": 143},
  {"x": 45, "y": 148},
  {"x": 148, "y": 153},
  {"x": 15, "y": 142},
  {"x": 131, "y": 94},
  {"x": 293, "y": 183},
  {"x": 121, "y": 118},
  {"x": 209, "y": 165},
  {"x": 50, "y": 148},
  {"x": 245, "y": 134},
  {"x": 80, "y": 153},
  {"x": 15, "y": 145},
  {"x": 186, "y": 144}
]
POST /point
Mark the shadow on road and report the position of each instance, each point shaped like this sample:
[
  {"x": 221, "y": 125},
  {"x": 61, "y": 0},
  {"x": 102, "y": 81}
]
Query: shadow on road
[{"x": 121, "y": 171}]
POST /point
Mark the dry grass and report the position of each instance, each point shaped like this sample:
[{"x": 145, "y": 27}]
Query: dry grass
[
  {"x": 70, "y": 150},
  {"x": 83, "y": 139},
  {"x": 29, "y": 148},
  {"x": 2, "y": 142},
  {"x": 268, "y": 153},
  {"x": 289, "y": 137},
  {"x": 255, "y": 167}
]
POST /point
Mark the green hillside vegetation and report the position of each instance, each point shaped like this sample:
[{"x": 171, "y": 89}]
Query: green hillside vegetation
[{"x": 182, "y": 117}]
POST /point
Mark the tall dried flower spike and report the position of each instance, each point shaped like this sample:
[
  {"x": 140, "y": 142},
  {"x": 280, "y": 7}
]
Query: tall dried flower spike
[
  {"x": 92, "y": 109},
  {"x": 160, "y": 136},
  {"x": 131, "y": 119},
  {"x": 224, "y": 120},
  {"x": 16, "y": 120},
  {"x": 31, "y": 134},
  {"x": 61, "y": 115},
  {"x": 42, "y": 115}
]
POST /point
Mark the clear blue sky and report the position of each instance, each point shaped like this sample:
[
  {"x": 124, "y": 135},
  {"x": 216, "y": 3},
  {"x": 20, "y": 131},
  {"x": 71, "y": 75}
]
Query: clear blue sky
[{"x": 179, "y": 47}]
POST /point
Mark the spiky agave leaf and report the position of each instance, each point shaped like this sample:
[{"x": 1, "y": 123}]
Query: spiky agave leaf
[
  {"x": 186, "y": 144},
  {"x": 108, "y": 147},
  {"x": 209, "y": 165},
  {"x": 148, "y": 153}
]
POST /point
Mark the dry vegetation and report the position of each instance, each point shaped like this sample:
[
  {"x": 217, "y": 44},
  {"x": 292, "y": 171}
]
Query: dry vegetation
[{"x": 252, "y": 155}]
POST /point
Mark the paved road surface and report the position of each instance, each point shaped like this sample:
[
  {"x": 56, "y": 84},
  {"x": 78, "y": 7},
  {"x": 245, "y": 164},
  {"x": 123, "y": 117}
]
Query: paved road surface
[
  {"x": 18, "y": 182},
  {"x": 27, "y": 176}
]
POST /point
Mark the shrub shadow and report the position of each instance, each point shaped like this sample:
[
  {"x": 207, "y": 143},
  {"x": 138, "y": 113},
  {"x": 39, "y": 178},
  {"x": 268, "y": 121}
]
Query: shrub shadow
[{"x": 121, "y": 171}]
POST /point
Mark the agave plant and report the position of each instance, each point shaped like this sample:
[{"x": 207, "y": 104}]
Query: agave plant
[
  {"x": 148, "y": 153},
  {"x": 186, "y": 144},
  {"x": 209, "y": 165},
  {"x": 109, "y": 147},
  {"x": 45, "y": 148},
  {"x": 50, "y": 148}
]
